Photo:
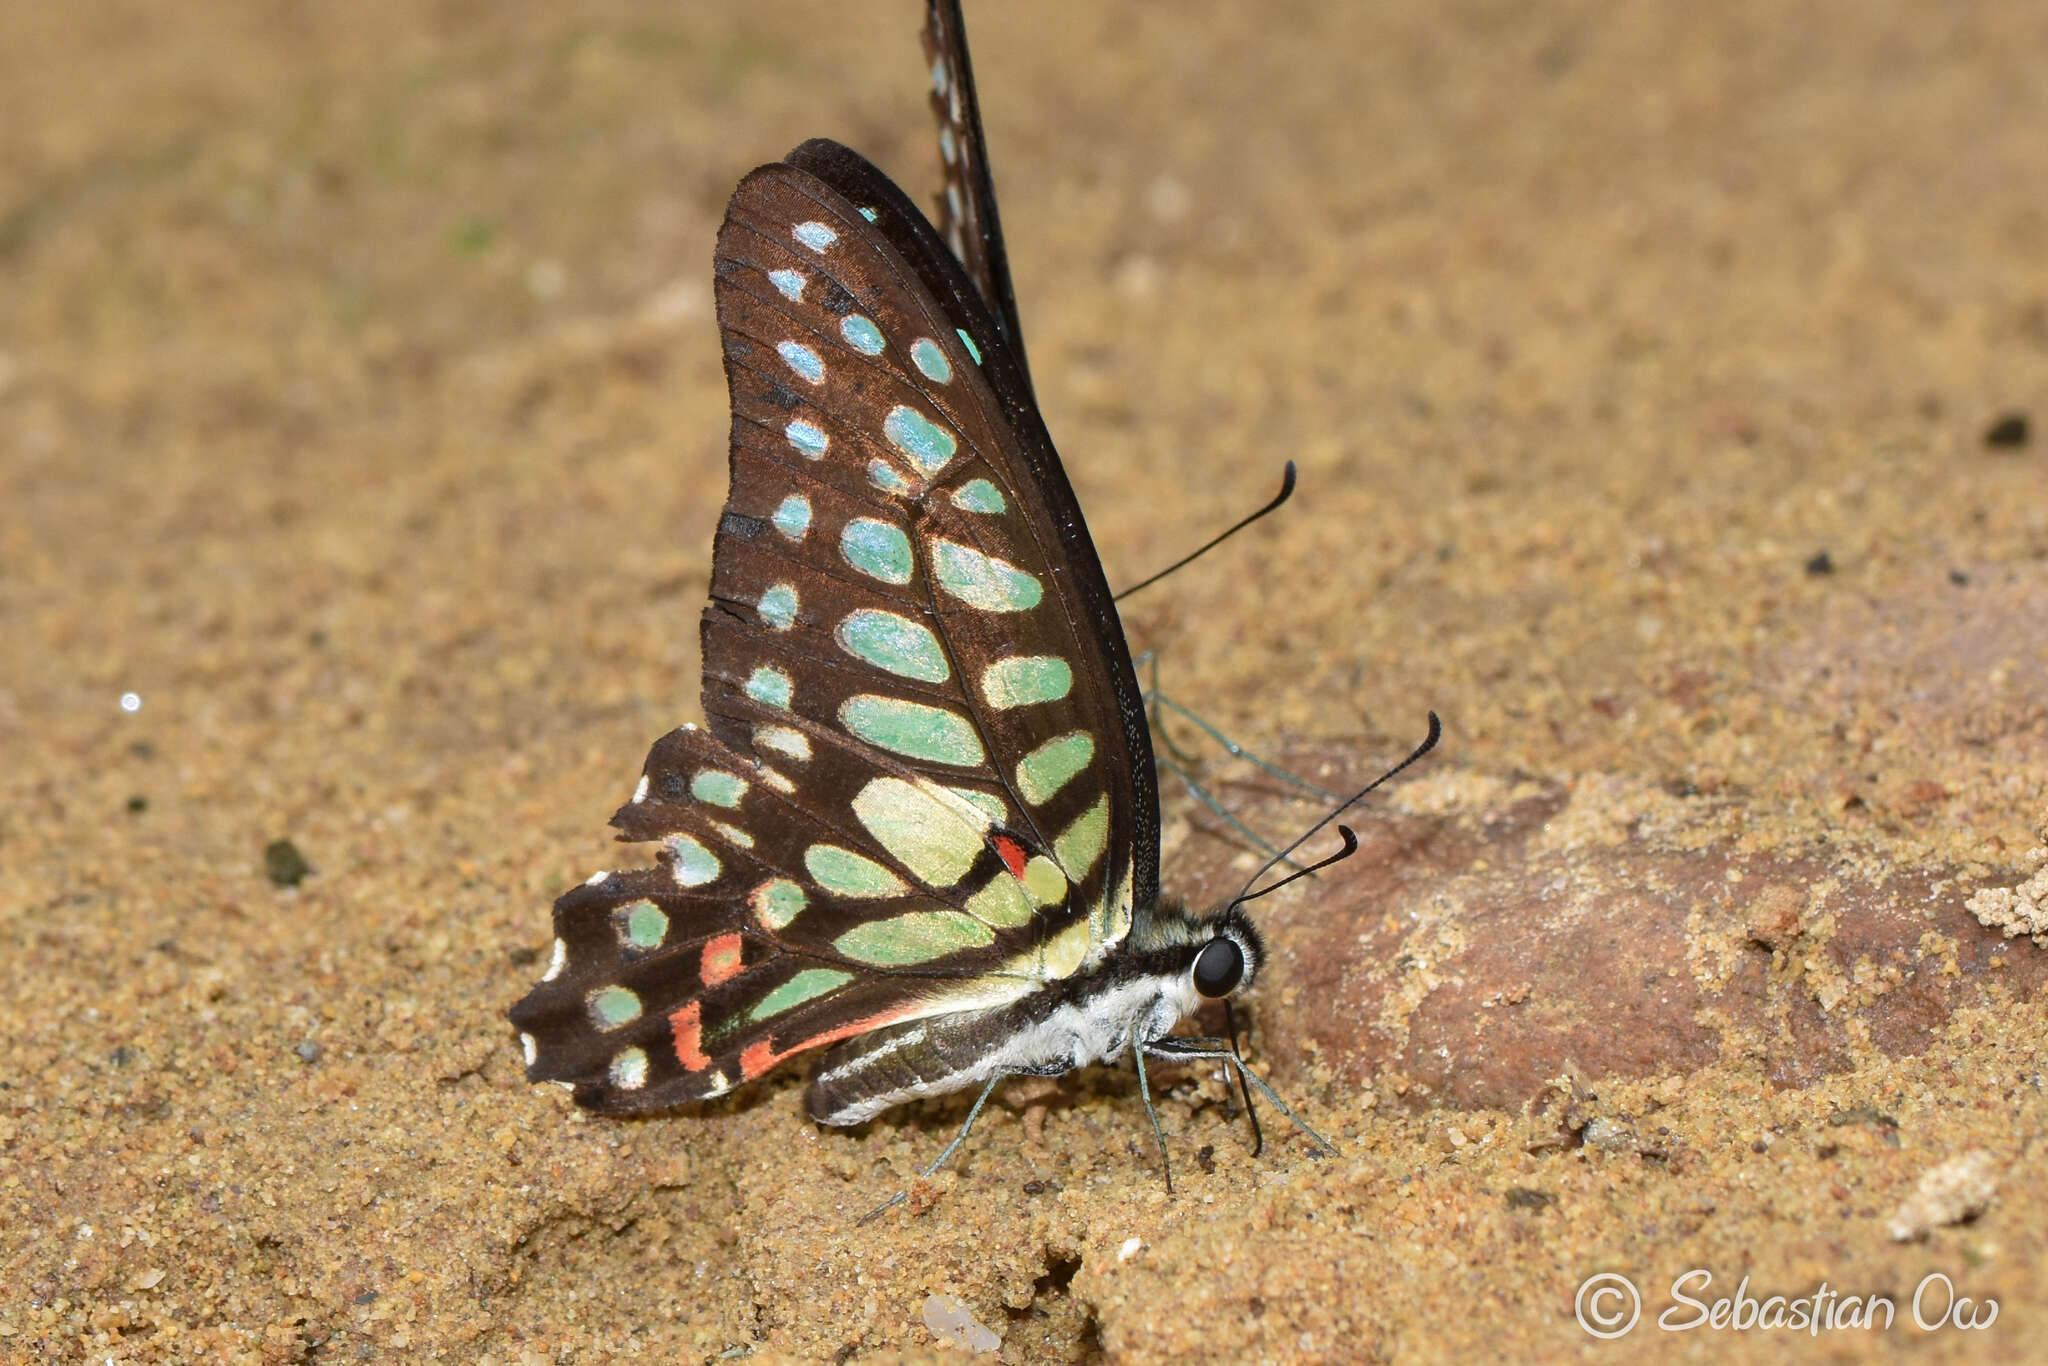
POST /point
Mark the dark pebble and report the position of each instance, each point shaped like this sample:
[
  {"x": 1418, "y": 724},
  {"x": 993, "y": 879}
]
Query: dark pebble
[{"x": 283, "y": 864}]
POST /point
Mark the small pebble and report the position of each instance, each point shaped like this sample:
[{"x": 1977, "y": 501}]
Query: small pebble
[
  {"x": 283, "y": 864},
  {"x": 951, "y": 1321},
  {"x": 1609, "y": 1135},
  {"x": 1947, "y": 1194},
  {"x": 2009, "y": 432}
]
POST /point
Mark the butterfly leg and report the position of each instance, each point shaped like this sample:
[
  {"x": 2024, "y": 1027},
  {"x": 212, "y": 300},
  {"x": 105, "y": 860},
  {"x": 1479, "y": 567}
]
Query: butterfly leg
[
  {"x": 973, "y": 1113},
  {"x": 1176, "y": 1049},
  {"x": 1250, "y": 1111},
  {"x": 1171, "y": 758},
  {"x": 1149, "y": 662},
  {"x": 1182, "y": 1049},
  {"x": 1237, "y": 751},
  {"x": 1208, "y": 799},
  {"x": 1145, "y": 1094}
]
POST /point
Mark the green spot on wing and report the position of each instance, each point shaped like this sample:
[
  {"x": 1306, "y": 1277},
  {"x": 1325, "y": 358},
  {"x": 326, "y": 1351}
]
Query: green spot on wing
[
  {"x": 693, "y": 865},
  {"x": 968, "y": 342},
  {"x": 931, "y": 360},
  {"x": 982, "y": 581},
  {"x": 1079, "y": 847},
  {"x": 845, "y": 873},
  {"x": 928, "y": 445},
  {"x": 807, "y": 437},
  {"x": 1044, "y": 881},
  {"x": 979, "y": 495},
  {"x": 913, "y": 729},
  {"x": 804, "y": 361},
  {"x": 1022, "y": 680},
  {"x": 614, "y": 1006},
  {"x": 1002, "y": 904},
  {"x": 991, "y": 805},
  {"x": 924, "y": 832},
  {"x": 878, "y": 549},
  {"x": 890, "y": 641},
  {"x": 778, "y": 606},
  {"x": 778, "y": 901},
  {"x": 861, "y": 334},
  {"x": 918, "y": 937},
  {"x": 719, "y": 789},
  {"x": 1047, "y": 769},
  {"x": 770, "y": 687},
  {"x": 791, "y": 743},
  {"x": 886, "y": 477},
  {"x": 814, "y": 235},
  {"x": 807, "y": 985},
  {"x": 642, "y": 925},
  {"x": 792, "y": 516}
]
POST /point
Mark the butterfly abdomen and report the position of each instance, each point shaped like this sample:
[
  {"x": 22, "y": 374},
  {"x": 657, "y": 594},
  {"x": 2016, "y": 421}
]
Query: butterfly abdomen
[{"x": 1052, "y": 1031}]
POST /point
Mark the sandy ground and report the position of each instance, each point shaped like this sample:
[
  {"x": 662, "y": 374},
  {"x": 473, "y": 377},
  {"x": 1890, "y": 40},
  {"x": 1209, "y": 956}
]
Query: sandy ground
[{"x": 361, "y": 415}]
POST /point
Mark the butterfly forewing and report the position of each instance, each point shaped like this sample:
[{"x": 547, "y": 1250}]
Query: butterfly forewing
[
  {"x": 1051, "y": 508},
  {"x": 967, "y": 217},
  {"x": 916, "y": 791},
  {"x": 941, "y": 639}
]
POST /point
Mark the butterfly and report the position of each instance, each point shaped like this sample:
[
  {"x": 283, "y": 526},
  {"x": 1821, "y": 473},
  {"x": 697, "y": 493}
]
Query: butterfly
[{"x": 918, "y": 834}]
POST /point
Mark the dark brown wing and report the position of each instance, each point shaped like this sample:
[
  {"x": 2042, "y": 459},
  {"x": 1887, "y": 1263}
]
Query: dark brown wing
[
  {"x": 967, "y": 217},
  {"x": 926, "y": 781}
]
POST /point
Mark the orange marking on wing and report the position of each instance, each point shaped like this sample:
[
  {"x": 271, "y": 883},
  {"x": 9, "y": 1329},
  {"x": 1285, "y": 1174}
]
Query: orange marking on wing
[
  {"x": 686, "y": 1025},
  {"x": 761, "y": 1054},
  {"x": 757, "y": 1057},
  {"x": 1012, "y": 854},
  {"x": 721, "y": 962}
]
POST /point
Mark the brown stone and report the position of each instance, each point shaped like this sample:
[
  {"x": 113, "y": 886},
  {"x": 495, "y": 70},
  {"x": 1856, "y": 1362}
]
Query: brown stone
[{"x": 1467, "y": 959}]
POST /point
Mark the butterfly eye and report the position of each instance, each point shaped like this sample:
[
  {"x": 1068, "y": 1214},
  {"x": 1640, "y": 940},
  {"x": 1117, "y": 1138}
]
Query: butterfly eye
[{"x": 1219, "y": 967}]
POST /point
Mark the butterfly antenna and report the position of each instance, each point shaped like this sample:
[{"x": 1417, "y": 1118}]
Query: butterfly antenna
[
  {"x": 1286, "y": 492},
  {"x": 1345, "y": 832},
  {"x": 1436, "y": 731}
]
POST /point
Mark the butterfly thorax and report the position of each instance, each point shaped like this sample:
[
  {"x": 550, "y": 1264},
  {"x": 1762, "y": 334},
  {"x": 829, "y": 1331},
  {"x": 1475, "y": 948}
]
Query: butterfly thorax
[{"x": 1133, "y": 997}]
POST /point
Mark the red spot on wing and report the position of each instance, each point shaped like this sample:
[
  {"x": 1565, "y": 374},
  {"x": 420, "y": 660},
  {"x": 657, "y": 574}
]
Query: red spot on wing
[
  {"x": 1012, "y": 854},
  {"x": 721, "y": 961},
  {"x": 760, "y": 1055},
  {"x": 687, "y": 1026}
]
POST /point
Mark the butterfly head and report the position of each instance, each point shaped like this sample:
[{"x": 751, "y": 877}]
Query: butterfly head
[{"x": 1213, "y": 956}]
